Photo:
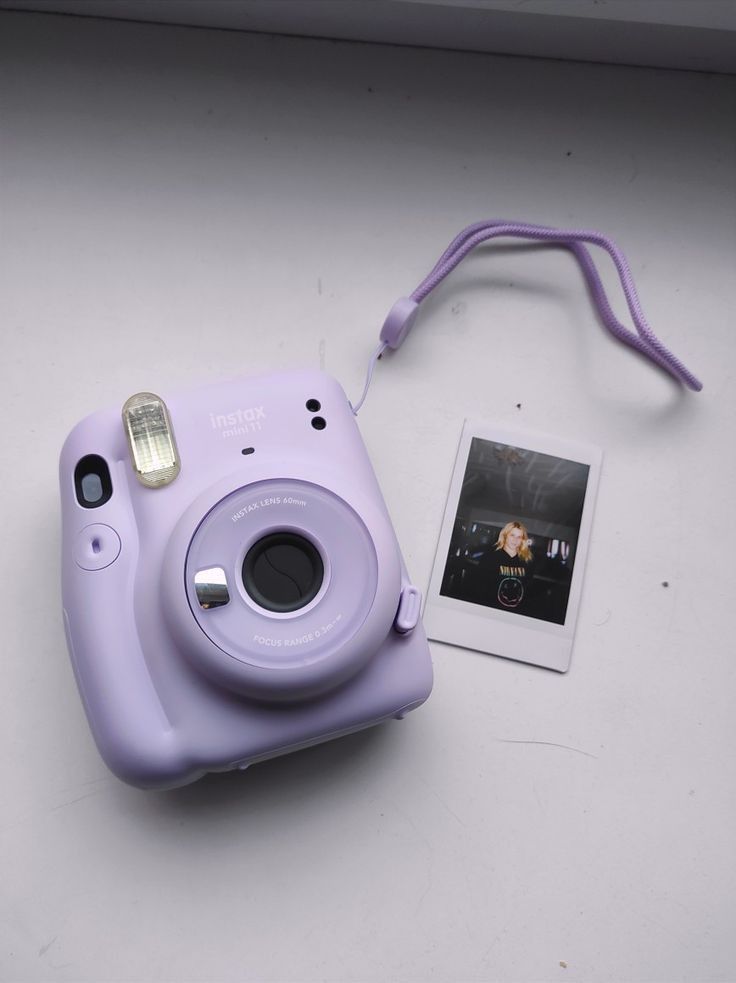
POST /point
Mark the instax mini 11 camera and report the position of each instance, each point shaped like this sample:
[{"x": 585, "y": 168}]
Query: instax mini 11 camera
[{"x": 232, "y": 584}]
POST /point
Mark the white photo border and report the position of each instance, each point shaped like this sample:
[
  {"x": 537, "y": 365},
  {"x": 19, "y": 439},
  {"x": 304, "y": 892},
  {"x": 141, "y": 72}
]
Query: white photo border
[{"x": 507, "y": 634}]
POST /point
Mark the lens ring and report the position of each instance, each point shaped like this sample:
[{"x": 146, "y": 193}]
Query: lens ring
[
  {"x": 287, "y": 655},
  {"x": 282, "y": 572},
  {"x": 251, "y": 633}
]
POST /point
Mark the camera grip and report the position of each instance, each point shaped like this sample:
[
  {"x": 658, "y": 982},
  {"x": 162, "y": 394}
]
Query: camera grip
[{"x": 129, "y": 723}]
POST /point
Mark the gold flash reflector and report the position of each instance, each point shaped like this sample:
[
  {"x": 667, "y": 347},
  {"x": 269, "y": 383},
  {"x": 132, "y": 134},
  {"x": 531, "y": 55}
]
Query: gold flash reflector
[{"x": 151, "y": 440}]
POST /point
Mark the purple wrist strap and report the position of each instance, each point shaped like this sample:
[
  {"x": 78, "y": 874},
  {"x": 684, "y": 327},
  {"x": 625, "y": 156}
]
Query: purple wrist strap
[{"x": 403, "y": 314}]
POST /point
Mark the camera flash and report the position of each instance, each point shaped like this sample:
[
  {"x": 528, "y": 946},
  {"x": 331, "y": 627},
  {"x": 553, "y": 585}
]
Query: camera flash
[{"x": 151, "y": 439}]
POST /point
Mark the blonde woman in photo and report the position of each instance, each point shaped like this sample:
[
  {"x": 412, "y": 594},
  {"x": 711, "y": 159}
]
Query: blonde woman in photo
[{"x": 506, "y": 569}]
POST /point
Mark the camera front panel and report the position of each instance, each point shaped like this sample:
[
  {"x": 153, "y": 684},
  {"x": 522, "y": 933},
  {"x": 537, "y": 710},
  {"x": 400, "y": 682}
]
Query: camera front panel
[{"x": 164, "y": 701}]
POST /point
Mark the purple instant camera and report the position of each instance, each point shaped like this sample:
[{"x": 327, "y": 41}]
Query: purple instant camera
[{"x": 233, "y": 588}]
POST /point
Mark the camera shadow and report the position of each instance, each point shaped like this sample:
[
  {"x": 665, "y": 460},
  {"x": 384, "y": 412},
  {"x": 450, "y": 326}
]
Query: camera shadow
[{"x": 291, "y": 780}]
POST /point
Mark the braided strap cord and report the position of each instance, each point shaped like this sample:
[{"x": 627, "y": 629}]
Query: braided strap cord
[
  {"x": 402, "y": 315},
  {"x": 644, "y": 340}
]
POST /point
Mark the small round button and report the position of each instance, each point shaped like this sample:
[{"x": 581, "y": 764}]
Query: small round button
[{"x": 96, "y": 547}]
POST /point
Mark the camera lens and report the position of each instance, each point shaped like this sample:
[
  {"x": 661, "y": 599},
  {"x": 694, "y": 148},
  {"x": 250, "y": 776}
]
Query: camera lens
[{"x": 283, "y": 572}]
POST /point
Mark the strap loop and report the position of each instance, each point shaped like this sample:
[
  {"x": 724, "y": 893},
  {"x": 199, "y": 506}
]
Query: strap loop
[{"x": 403, "y": 314}]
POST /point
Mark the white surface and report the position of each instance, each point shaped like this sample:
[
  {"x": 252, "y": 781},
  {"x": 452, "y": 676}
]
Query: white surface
[
  {"x": 698, "y": 35},
  {"x": 178, "y": 205}
]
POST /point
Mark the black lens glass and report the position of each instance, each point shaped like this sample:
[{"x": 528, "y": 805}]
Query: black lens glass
[{"x": 283, "y": 572}]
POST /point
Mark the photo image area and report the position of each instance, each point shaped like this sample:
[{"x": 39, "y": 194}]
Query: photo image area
[{"x": 516, "y": 531}]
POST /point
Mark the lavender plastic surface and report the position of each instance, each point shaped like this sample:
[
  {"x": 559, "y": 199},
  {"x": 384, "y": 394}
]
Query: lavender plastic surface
[{"x": 173, "y": 691}]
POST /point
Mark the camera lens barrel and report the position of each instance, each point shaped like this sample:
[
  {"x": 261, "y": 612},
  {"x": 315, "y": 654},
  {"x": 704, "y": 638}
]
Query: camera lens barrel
[{"x": 301, "y": 602}]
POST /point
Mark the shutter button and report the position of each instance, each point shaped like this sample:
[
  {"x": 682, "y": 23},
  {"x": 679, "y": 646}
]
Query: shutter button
[{"x": 410, "y": 605}]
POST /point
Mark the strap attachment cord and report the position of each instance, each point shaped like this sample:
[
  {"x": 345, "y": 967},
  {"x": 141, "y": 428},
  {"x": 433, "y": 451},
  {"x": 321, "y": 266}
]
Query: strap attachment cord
[{"x": 402, "y": 315}]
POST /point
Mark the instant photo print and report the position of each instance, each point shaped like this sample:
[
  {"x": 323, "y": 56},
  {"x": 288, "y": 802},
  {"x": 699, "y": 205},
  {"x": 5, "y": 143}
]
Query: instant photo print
[{"x": 509, "y": 567}]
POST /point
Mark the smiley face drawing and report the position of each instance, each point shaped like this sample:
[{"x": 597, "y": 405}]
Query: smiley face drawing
[{"x": 510, "y": 592}]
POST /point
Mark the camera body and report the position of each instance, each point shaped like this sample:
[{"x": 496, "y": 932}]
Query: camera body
[{"x": 251, "y": 603}]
